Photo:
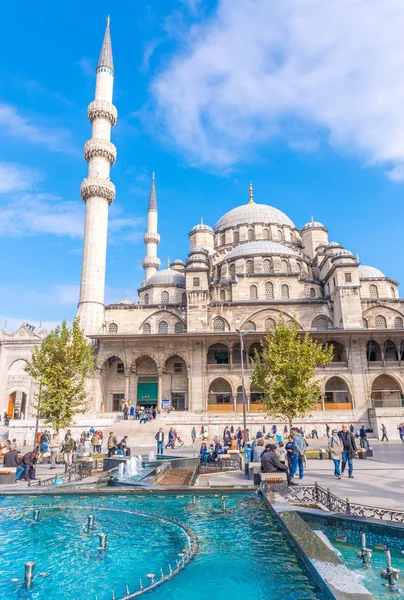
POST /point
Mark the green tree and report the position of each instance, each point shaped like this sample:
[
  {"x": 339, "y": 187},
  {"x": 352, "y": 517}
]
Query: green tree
[
  {"x": 61, "y": 366},
  {"x": 284, "y": 371}
]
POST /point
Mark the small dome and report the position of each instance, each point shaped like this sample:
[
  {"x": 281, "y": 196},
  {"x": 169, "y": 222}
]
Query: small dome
[
  {"x": 201, "y": 227},
  {"x": 343, "y": 253},
  {"x": 125, "y": 301},
  {"x": 313, "y": 225},
  {"x": 261, "y": 248},
  {"x": 178, "y": 261},
  {"x": 166, "y": 277},
  {"x": 334, "y": 245},
  {"x": 366, "y": 272},
  {"x": 252, "y": 213}
]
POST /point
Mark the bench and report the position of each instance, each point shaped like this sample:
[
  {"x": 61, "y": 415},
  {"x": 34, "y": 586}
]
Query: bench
[{"x": 7, "y": 475}]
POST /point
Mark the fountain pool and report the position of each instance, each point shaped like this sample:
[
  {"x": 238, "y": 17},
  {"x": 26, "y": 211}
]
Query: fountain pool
[{"x": 241, "y": 549}]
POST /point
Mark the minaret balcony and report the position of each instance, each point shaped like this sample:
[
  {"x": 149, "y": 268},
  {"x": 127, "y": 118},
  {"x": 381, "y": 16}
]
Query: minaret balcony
[
  {"x": 102, "y": 109},
  {"x": 151, "y": 237},
  {"x": 103, "y": 148},
  {"x": 151, "y": 261},
  {"x": 96, "y": 186}
]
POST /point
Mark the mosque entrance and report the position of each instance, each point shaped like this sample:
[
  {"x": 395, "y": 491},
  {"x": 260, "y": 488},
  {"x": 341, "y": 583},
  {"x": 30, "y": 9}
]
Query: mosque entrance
[
  {"x": 147, "y": 391},
  {"x": 17, "y": 403}
]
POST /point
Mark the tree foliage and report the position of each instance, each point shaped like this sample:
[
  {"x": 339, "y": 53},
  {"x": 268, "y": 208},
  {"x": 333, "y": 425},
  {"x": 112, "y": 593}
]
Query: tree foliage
[
  {"x": 284, "y": 371},
  {"x": 60, "y": 366}
]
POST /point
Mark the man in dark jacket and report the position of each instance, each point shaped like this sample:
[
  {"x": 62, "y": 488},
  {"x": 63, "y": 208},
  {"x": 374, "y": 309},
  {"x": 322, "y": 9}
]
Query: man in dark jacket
[
  {"x": 29, "y": 461},
  {"x": 349, "y": 449},
  {"x": 270, "y": 462},
  {"x": 11, "y": 460},
  {"x": 160, "y": 441}
]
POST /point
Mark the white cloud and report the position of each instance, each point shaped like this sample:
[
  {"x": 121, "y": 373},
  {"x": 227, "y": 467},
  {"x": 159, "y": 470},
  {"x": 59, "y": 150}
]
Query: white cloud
[
  {"x": 300, "y": 71},
  {"x": 18, "y": 126},
  {"x": 15, "y": 178}
]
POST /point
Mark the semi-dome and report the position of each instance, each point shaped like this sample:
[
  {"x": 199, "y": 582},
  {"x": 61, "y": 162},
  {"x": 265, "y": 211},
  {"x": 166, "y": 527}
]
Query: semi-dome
[
  {"x": 261, "y": 248},
  {"x": 365, "y": 272},
  {"x": 313, "y": 225},
  {"x": 167, "y": 277},
  {"x": 252, "y": 213}
]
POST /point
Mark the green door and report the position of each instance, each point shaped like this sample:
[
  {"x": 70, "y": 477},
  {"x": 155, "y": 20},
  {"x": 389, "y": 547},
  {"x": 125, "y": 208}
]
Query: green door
[{"x": 147, "y": 391}]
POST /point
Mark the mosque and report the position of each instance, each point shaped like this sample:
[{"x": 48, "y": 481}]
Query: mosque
[{"x": 179, "y": 345}]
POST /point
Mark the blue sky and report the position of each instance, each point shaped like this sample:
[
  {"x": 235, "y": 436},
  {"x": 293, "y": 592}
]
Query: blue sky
[{"x": 304, "y": 99}]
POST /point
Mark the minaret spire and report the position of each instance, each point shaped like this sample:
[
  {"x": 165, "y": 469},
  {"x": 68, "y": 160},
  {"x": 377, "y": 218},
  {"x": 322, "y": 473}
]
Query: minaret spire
[
  {"x": 251, "y": 194},
  {"x": 98, "y": 192},
  {"x": 151, "y": 238}
]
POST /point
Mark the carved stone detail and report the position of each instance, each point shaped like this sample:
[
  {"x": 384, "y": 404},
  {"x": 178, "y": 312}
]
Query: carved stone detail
[
  {"x": 151, "y": 237},
  {"x": 150, "y": 261},
  {"x": 97, "y": 147},
  {"x": 101, "y": 109},
  {"x": 96, "y": 186}
]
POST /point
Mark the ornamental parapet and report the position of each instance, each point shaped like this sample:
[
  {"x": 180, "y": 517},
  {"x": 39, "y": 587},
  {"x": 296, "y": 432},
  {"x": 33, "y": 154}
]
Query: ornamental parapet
[
  {"x": 97, "y": 147},
  {"x": 151, "y": 261},
  {"x": 96, "y": 186},
  {"x": 102, "y": 109},
  {"x": 151, "y": 237}
]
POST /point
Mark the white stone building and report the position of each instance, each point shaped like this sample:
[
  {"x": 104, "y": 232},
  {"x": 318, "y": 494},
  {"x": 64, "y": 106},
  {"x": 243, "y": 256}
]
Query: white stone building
[{"x": 178, "y": 342}]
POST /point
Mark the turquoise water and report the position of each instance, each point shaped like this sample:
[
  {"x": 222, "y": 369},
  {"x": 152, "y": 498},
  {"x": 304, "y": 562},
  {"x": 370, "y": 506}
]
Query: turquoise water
[
  {"x": 370, "y": 576},
  {"x": 242, "y": 553}
]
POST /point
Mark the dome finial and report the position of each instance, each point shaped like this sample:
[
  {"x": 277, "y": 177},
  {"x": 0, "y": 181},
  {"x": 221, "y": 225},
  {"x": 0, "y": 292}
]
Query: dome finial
[
  {"x": 251, "y": 194},
  {"x": 312, "y": 218},
  {"x": 357, "y": 258},
  {"x": 201, "y": 220},
  {"x": 168, "y": 263},
  {"x": 108, "y": 20}
]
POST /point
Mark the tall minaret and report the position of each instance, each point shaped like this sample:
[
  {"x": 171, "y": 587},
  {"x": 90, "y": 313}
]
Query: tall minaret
[
  {"x": 98, "y": 192},
  {"x": 151, "y": 238}
]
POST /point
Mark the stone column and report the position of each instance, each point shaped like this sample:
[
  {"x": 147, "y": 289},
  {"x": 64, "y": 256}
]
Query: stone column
[
  {"x": 160, "y": 390},
  {"x": 127, "y": 383}
]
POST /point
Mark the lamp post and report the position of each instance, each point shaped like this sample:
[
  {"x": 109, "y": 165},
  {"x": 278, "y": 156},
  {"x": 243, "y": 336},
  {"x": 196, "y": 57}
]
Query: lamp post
[{"x": 240, "y": 334}]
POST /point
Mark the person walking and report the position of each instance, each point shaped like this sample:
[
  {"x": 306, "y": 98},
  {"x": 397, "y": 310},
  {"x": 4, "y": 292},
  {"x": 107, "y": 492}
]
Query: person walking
[
  {"x": 384, "y": 433},
  {"x": 112, "y": 443},
  {"x": 160, "y": 441},
  {"x": 11, "y": 461},
  {"x": 327, "y": 431},
  {"x": 362, "y": 436},
  {"x": 54, "y": 449},
  {"x": 401, "y": 431},
  {"x": 299, "y": 447},
  {"x": 193, "y": 436},
  {"x": 335, "y": 447},
  {"x": 95, "y": 440},
  {"x": 68, "y": 449},
  {"x": 170, "y": 438},
  {"x": 289, "y": 451},
  {"x": 125, "y": 412},
  {"x": 349, "y": 449}
]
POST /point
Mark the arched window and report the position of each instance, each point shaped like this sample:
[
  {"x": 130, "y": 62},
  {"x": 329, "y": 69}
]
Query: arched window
[
  {"x": 337, "y": 391},
  {"x": 146, "y": 298},
  {"x": 223, "y": 240},
  {"x": 219, "y": 273},
  {"x": 285, "y": 291},
  {"x": 380, "y": 322},
  {"x": 280, "y": 234},
  {"x": 373, "y": 291},
  {"x": 113, "y": 328},
  {"x": 320, "y": 323},
  {"x": 249, "y": 267},
  {"x": 312, "y": 293},
  {"x": 270, "y": 324},
  {"x": 251, "y": 235},
  {"x": 253, "y": 292},
  {"x": 268, "y": 267},
  {"x": 165, "y": 297},
  {"x": 284, "y": 266},
  {"x": 373, "y": 353},
  {"x": 222, "y": 295},
  {"x": 365, "y": 324},
  {"x": 390, "y": 351},
  {"x": 163, "y": 327},
  {"x": 249, "y": 326},
  {"x": 398, "y": 323},
  {"x": 147, "y": 328},
  {"x": 232, "y": 271},
  {"x": 236, "y": 237},
  {"x": 266, "y": 234},
  {"x": 184, "y": 298},
  {"x": 338, "y": 352},
  {"x": 219, "y": 324},
  {"x": 269, "y": 290},
  {"x": 392, "y": 292},
  {"x": 179, "y": 327}
]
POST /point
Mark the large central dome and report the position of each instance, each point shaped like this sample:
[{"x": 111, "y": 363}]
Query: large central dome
[{"x": 252, "y": 213}]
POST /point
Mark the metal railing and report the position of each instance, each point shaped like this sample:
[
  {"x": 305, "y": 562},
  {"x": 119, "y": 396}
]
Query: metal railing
[
  {"x": 234, "y": 463},
  {"x": 317, "y": 495},
  {"x": 75, "y": 472}
]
